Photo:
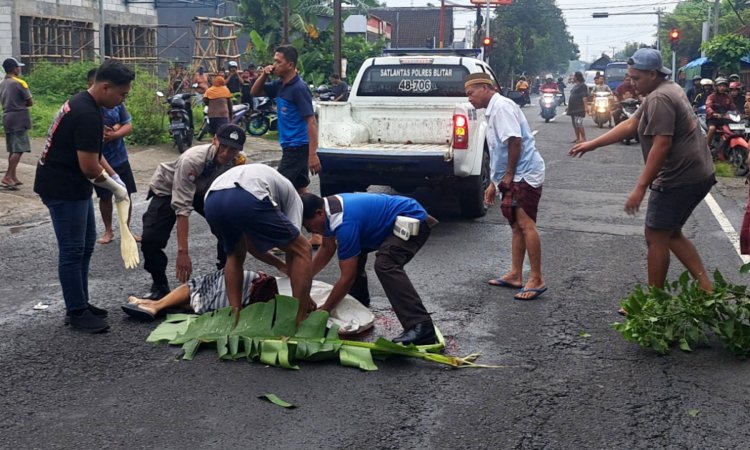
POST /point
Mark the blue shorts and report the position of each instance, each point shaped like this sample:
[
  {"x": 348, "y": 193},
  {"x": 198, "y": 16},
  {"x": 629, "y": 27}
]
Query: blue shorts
[{"x": 232, "y": 213}]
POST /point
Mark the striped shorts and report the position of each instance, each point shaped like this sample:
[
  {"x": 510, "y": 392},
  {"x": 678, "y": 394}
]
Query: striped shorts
[{"x": 209, "y": 292}]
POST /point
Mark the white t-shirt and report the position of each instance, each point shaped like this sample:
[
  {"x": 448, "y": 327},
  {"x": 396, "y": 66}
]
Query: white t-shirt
[
  {"x": 505, "y": 120},
  {"x": 263, "y": 181}
]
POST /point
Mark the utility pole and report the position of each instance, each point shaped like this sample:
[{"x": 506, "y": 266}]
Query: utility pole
[
  {"x": 717, "y": 5},
  {"x": 286, "y": 22},
  {"x": 337, "y": 37},
  {"x": 101, "y": 32}
]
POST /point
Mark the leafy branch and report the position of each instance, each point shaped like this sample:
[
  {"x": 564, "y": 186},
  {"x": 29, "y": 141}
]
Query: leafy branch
[{"x": 683, "y": 314}]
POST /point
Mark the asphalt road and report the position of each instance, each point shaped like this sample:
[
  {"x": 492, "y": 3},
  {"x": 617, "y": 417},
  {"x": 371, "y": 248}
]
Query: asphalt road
[{"x": 559, "y": 390}]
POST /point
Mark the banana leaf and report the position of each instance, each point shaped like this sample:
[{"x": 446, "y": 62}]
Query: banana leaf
[{"x": 267, "y": 332}]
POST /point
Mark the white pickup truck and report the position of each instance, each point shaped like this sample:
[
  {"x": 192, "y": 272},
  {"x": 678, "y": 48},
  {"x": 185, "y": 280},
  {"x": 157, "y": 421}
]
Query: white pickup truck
[{"x": 408, "y": 124}]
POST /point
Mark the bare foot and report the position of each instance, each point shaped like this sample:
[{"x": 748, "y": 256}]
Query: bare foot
[
  {"x": 146, "y": 305},
  {"x": 106, "y": 238},
  {"x": 508, "y": 280}
]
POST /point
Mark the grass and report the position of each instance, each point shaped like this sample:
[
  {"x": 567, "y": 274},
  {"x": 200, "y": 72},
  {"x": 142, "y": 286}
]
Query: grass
[{"x": 724, "y": 169}]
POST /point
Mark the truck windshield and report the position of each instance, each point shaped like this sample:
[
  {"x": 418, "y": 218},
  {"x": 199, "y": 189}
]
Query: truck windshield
[
  {"x": 616, "y": 72},
  {"x": 413, "y": 80}
]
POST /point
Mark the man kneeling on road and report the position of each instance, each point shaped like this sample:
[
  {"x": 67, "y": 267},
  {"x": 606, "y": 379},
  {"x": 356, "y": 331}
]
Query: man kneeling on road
[
  {"x": 253, "y": 208},
  {"x": 177, "y": 188},
  {"x": 363, "y": 223}
]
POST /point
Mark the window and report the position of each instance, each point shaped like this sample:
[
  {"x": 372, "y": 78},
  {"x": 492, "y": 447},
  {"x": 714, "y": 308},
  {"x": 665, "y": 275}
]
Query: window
[{"x": 413, "y": 80}]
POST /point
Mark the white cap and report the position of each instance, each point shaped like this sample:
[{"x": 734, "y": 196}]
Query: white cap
[{"x": 232, "y": 64}]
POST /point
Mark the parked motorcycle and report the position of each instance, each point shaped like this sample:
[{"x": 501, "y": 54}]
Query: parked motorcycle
[
  {"x": 240, "y": 117},
  {"x": 602, "y": 109},
  {"x": 324, "y": 93},
  {"x": 521, "y": 98},
  {"x": 732, "y": 145},
  {"x": 180, "y": 119},
  {"x": 263, "y": 118},
  {"x": 548, "y": 104},
  {"x": 628, "y": 108}
]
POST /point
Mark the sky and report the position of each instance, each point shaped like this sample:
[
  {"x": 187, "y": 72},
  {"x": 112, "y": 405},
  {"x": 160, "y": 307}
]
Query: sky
[{"x": 593, "y": 36}]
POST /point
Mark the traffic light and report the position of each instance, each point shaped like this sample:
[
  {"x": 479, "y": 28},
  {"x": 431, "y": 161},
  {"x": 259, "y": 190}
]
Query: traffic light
[
  {"x": 674, "y": 36},
  {"x": 487, "y": 41}
]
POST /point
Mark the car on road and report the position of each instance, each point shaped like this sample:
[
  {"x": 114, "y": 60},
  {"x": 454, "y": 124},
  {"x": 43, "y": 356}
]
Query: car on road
[{"x": 408, "y": 124}]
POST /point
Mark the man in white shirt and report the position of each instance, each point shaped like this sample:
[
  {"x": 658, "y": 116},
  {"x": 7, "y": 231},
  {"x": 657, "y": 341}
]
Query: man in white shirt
[
  {"x": 253, "y": 208},
  {"x": 518, "y": 171}
]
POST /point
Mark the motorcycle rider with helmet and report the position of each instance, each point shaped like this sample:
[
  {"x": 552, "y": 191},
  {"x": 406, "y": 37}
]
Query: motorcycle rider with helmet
[
  {"x": 522, "y": 86},
  {"x": 693, "y": 89},
  {"x": 707, "y": 87},
  {"x": 735, "y": 91},
  {"x": 718, "y": 104}
]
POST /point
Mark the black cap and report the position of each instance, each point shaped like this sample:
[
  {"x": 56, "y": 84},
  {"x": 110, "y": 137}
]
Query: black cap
[
  {"x": 11, "y": 63},
  {"x": 231, "y": 135}
]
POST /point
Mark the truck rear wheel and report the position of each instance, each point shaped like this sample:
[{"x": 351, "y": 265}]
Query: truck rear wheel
[
  {"x": 331, "y": 188},
  {"x": 471, "y": 196}
]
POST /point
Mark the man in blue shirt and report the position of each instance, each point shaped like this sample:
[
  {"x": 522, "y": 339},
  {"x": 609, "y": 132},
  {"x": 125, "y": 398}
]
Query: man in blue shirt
[
  {"x": 298, "y": 129},
  {"x": 363, "y": 223},
  {"x": 517, "y": 169}
]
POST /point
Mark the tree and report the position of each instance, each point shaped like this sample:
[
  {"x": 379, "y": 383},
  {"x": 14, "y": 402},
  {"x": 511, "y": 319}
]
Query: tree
[
  {"x": 726, "y": 50},
  {"x": 531, "y": 36},
  {"x": 630, "y": 48},
  {"x": 688, "y": 17}
]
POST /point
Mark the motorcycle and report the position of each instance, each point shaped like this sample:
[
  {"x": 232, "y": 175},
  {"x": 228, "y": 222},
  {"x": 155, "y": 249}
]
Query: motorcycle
[
  {"x": 521, "y": 98},
  {"x": 180, "y": 119},
  {"x": 732, "y": 145},
  {"x": 263, "y": 118},
  {"x": 628, "y": 108},
  {"x": 324, "y": 93},
  {"x": 548, "y": 104},
  {"x": 240, "y": 117},
  {"x": 602, "y": 109}
]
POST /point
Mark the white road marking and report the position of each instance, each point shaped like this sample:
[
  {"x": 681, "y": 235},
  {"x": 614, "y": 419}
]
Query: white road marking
[{"x": 726, "y": 225}]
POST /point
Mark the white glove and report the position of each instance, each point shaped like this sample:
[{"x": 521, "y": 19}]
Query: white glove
[
  {"x": 110, "y": 184},
  {"x": 128, "y": 247},
  {"x": 119, "y": 180}
]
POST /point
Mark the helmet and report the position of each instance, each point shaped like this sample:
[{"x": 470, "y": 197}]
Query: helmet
[
  {"x": 735, "y": 85},
  {"x": 734, "y": 76},
  {"x": 548, "y": 77},
  {"x": 707, "y": 82},
  {"x": 721, "y": 80},
  {"x": 559, "y": 78},
  {"x": 697, "y": 78},
  {"x": 232, "y": 64}
]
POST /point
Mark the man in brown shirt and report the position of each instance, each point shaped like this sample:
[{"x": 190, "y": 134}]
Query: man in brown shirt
[{"x": 679, "y": 169}]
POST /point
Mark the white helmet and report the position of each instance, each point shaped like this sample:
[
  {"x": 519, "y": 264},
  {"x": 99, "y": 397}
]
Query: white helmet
[
  {"x": 707, "y": 82},
  {"x": 232, "y": 63}
]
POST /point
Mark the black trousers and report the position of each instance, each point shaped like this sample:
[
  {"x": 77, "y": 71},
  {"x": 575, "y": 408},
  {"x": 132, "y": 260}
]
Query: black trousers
[
  {"x": 158, "y": 222},
  {"x": 394, "y": 253}
]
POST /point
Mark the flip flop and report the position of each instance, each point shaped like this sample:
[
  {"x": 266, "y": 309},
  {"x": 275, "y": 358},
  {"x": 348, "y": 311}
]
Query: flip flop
[
  {"x": 536, "y": 293},
  {"x": 8, "y": 187},
  {"x": 135, "y": 311},
  {"x": 499, "y": 282}
]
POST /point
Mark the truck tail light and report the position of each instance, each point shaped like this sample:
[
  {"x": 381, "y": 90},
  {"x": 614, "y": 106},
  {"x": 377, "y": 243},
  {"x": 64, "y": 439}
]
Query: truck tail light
[{"x": 460, "y": 132}]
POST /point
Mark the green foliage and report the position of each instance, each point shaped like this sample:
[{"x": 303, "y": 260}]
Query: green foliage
[
  {"x": 630, "y": 48},
  {"x": 147, "y": 110},
  {"x": 724, "y": 169},
  {"x": 688, "y": 17},
  {"x": 267, "y": 332},
  {"x": 683, "y": 314},
  {"x": 726, "y": 50},
  {"x": 56, "y": 82},
  {"x": 51, "y": 85},
  {"x": 531, "y": 36}
]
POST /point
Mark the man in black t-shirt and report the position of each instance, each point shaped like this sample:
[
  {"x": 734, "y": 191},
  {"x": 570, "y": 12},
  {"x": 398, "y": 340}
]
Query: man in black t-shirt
[
  {"x": 67, "y": 171},
  {"x": 339, "y": 88},
  {"x": 234, "y": 82}
]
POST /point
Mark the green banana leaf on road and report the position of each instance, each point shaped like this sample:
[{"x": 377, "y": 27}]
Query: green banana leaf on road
[{"x": 267, "y": 332}]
